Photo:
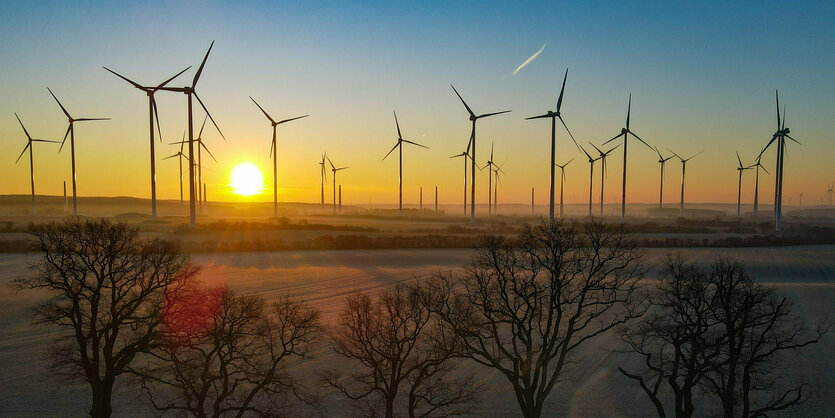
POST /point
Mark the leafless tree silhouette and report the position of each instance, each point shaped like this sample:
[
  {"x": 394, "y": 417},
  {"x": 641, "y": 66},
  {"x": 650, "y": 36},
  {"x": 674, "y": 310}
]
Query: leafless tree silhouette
[
  {"x": 523, "y": 307},
  {"x": 106, "y": 289},
  {"x": 227, "y": 355},
  {"x": 678, "y": 340},
  {"x": 717, "y": 332},
  {"x": 759, "y": 328},
  {"x": 398, "y": 348}
]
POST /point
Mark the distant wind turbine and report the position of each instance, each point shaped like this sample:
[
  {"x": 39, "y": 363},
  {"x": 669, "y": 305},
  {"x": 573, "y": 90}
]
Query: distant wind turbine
[
  {"x": 758, "y": 165},
  {"x": 153, "y": 116},
  {"x": 591, "y": 175},
  {"x": 399, "y": 144},
  {"x": 465, "y": 155},
  {"x": 562, "y": 183},
  {"x": 323, "y": 178},
  {"x": 830, "y": 191},
  {"x": 334, "y": 169},
  {"x": 554, "y": 115},
  {"x": 180, "y": 157},
  {"x": 663, "y": 161},
  {"x": 489, "y": 166},
  {"x": 473, "y": 119},
  {"x": 71, "y": 133},
  {"x": 604, "y": 171},
  {"x": 740, "y": 168},
  {"x": 683, "y": 167},
  {"x": 274, "y": 145},
  {"x": 625, "y": 132},
  {"x": 496, "y": 171},
  {"x": 29, "y": 145}
]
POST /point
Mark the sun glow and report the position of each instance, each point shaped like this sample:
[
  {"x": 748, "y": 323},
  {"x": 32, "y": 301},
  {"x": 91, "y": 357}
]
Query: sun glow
[{"x": 246, "y": 179}]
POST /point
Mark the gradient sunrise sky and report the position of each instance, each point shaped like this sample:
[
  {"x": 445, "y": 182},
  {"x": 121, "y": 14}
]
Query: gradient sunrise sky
[{"x": 702, "y": 76}]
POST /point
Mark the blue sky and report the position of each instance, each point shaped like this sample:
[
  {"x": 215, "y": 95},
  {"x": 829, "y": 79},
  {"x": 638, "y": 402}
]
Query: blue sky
[{"x": 702, "y": 75}]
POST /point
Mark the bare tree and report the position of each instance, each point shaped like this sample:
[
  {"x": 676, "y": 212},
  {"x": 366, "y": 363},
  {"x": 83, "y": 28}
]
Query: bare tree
[
  {"x": 524, "y": 307},
  {"x": 677, "y": 341},
  {"x": 227, "y": 355},
  {"x": 397, "y": 347},
  {"x": 759, "y": 328},
  {"x": 106, "y": 288}
]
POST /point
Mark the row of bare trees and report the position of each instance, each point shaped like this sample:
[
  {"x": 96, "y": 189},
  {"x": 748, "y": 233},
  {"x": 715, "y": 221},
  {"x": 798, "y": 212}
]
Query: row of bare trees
[{"x": 129, "y": 308}]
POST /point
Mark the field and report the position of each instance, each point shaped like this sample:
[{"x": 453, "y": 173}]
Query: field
[{"x": 594, "y": 388}]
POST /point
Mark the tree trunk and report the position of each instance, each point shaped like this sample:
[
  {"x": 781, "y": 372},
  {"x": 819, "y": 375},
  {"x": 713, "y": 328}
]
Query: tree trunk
[{"x": 102, "y": 406}]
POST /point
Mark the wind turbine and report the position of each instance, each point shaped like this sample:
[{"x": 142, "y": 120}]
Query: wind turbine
[
  {"x": 663, "y": 161},
  {"x": 334, "y": 169},
  {"x": 180, "y": 156},
  {"x": 29, "y": 146},
  {"x": 323, "y": 178},
  {"x": 758, "y": 165},
  {"x": 399, "y": 144},
  {"x": 591, "y": 175},
  {"x": 71, "y": 133},
  {"x": 489, "y": 166},
  {"x": 496, "y": 171},
  {"x": 153, "y": 115},
  {"x": 464, "y": 155},
  {"x": 780, "y": 136},
  {"x": 603, "y": 172},
  {"x": 562, "y": 183},
  {"x": 740, "y": 168},
  {"x": 190, "y": 92},
  {"x": 829, "y": 191},
  {"x": 273, "y": 145},
  {"x": 473, "y": 119},
  {"x": 683, "y": 167},
  {"x": 625, "y": 132},
  {"x": 554, "y": 115},
  {"x": 200, "y": 147}
]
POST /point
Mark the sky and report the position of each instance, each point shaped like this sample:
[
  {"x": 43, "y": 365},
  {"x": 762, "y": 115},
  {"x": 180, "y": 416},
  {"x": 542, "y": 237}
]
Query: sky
[{"x": 702, "y": 77}]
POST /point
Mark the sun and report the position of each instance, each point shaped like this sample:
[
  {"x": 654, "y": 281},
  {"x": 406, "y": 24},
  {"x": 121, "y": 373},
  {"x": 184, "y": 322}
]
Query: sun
[{"x": 246, "y": 179}]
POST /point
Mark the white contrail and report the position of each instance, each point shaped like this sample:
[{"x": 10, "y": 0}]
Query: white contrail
[{"x": 529, "y": 60}]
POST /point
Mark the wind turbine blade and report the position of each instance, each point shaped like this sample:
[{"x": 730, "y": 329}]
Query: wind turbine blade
[
  {"x": 183, "y": 143},
  {"x": 639, "y": 139},
  {"x": 156, "y": 118},
  {"x": 492, "y": 114},
  {"x": 341, "y": 168},
  {"x": 585, "y": 152},
  {"x": 491, "y": 150},
  {"x": 674, "y": 153},
  {"x": 659, "y": 154},
  {"x": 209, "y": 115},
  {"x": 569, "y": 132},
  {"x": 46, "y": 140},
  {"x": 200, "y": 133},
  {"x": 202, "y": 64},
  {"x": 789, "y": 137},
  {"x": 562, "y": 90},
  {"x": 28, "y": 144},
  {"x": 615, "y": 137},
  {"x": 207, "y": 150},
  {"x": 783, "y": 127},
  {"x": 612, "y": 149},
  {"x": 175, "y": 76},
  {"x": 262, "y": 110},
  {"x": 694, "y": 155},
  {"x": 65, "y": 138},
  {"x": 462, "y": 101},
  {"x": 777, "y": 96},
  {"x": 598, "y": 149},
  {"x": 172, "y": 156},
  {"x": 387, "y": 154},
  {"x": 59, "y": 103},
  {"x": 470, "y": 143},
  {"x": 291, "y": 119},
  {"x": 739, "y": 159},
  {"x": 415, "y": 143},
  {"x": 21, "y": 125},
  {"x": 399, "y": 136},
  {"x": 271, "y": 146},
  {"x": 125, "y": 78},
  {"x": 331, "y": 163},
  {"x": 89, "y": 119},
  {"x": 773, "y": 138},
  {"x": 540, "y": 116}
]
